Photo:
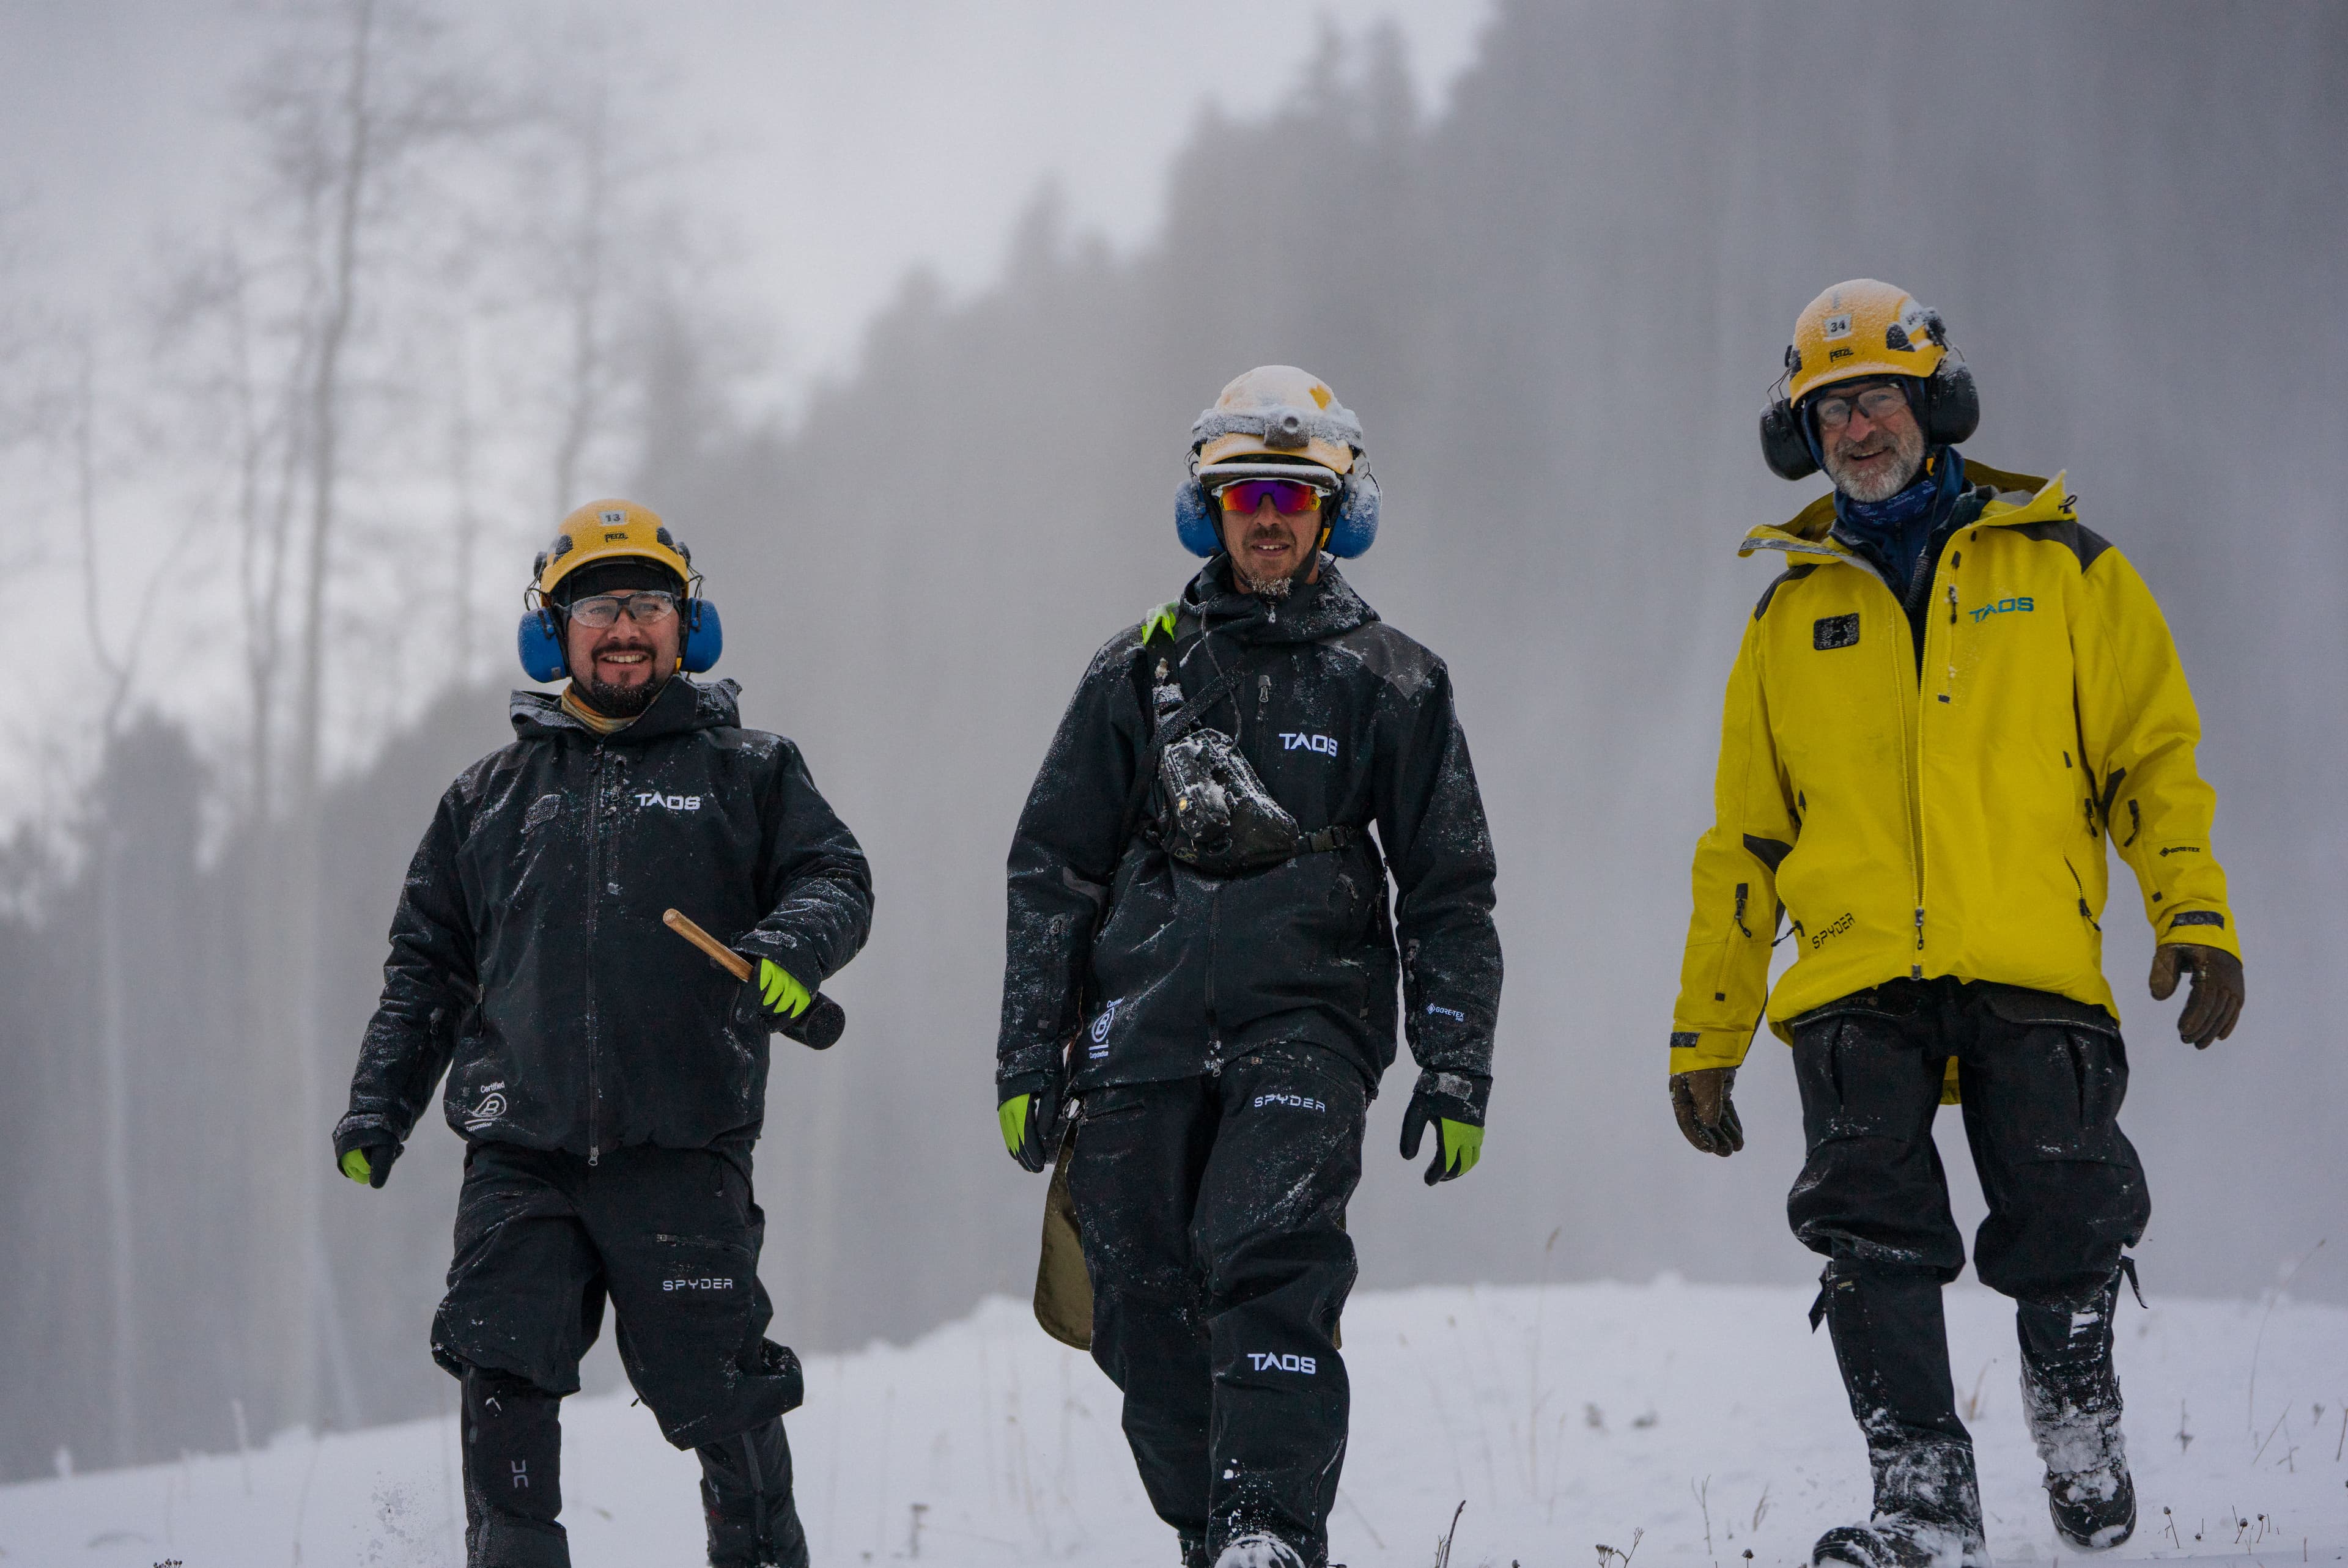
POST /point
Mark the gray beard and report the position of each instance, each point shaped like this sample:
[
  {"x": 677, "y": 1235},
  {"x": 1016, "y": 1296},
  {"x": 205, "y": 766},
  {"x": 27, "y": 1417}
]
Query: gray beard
[
  {"x": 1278, "y": 588},
  {"x": 1910, "y": 452}
]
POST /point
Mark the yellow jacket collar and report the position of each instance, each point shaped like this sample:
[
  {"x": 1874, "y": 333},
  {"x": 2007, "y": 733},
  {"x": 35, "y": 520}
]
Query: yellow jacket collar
[{"x": 2018, "y": 499}]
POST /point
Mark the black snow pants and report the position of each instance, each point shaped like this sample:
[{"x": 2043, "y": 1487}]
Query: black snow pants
[
  {"x": 672, "y": 1237},
  {"x": 2041, "y": 1079},
  {"x": 1213, "y": 1216}
]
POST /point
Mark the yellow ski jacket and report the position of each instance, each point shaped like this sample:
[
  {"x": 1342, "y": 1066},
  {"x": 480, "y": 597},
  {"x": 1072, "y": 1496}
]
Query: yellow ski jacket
[{"x": 1951, "y": 822}]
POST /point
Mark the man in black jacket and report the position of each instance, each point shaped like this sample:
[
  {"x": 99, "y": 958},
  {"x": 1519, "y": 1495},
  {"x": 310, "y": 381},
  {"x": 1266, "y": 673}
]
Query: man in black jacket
[
  {"x": 1197, "y": 909},
  {"x": 609, "y": 1080}
]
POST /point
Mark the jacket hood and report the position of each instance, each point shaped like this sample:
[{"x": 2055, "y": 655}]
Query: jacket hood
[
  {"x": 683, "y": 704},
  {"x": 2017, "y": 498},
  {"x": 1312, "y": 612}
]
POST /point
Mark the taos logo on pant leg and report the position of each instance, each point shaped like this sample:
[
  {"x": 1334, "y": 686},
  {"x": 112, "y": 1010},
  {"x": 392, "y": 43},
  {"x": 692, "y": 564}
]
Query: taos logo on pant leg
[
  {"x": 1296, "y": 741},
  {"x": 1294, "y": 1102},
  {"x": 1267, "y": 1362},
  {"x": 669, "y": 802},
  {"x": 696, "y": 1284}
]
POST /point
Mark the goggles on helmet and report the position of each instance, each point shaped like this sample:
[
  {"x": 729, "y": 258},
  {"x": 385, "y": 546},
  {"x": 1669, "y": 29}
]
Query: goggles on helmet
[
  {"x": 1877, "y": 403},
  {"x": 647, "y": 608},
  {"x": 1243, "y": 496}
]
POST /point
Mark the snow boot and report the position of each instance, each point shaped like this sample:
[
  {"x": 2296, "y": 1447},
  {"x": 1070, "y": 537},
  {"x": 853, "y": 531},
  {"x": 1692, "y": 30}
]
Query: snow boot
[
  {"x": 1927, "y": 1511},
  {"x": 2071, "y": 1397},
  {"x": 1260, "y": 1552},
  {"x": 1890, "y": 1340}
]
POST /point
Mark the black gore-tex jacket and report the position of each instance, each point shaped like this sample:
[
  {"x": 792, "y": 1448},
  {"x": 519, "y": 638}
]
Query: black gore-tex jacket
[
  {"x": 528, "y": 949},
  {"x": 1348, "y": 723}
]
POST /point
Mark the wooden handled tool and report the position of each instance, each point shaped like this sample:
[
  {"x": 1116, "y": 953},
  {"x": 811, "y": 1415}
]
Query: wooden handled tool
[{"x": 818, "y": 1029}]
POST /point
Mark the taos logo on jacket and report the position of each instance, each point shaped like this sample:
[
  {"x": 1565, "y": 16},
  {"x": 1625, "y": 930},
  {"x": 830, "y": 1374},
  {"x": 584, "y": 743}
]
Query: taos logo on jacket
[
  {"x": 1266, "y": 1361},
  {"x": 669, "y": 802},
  {"x": 2002, "y": 606},
  {"x": 1294, "y": 741}
]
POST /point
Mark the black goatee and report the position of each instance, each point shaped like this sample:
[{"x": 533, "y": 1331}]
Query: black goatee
[{"x": 621, "y": 702}]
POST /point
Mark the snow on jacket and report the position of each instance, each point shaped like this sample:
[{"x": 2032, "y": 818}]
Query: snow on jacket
[
  {"x": 1158, "y": 971},
  {"x": 528, "y": 949},
  {"x": 1951, "y": 822}
]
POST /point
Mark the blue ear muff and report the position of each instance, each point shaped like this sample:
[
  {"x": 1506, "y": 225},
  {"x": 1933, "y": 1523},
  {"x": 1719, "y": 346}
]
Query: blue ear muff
[
  {"x": 540, "y": 645},
  {"x": 1355, "y": 528},
  {"x": 1194, "y": 518},
  {"x": 705, "y": 636}
]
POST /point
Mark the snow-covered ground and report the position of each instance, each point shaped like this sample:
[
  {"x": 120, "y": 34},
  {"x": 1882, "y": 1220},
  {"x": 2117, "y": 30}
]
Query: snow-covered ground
[{"x": 1669, "y": 1422}]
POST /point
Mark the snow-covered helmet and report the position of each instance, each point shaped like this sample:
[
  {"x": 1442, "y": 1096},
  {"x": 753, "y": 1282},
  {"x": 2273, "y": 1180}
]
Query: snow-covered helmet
[{"x": 1279, "y": 422}]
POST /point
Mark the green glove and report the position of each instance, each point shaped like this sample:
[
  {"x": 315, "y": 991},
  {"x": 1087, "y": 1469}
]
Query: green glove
[
  {"x": 1453, "y": 1102},
  {"x": 780, "y": 992},
  {"x": 1029, "y": 1122},
  {"x": 369, "y": 1165},
  {"x": 1462, "y": 1145}
]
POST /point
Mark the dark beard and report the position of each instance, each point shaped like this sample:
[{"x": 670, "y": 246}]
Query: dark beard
[{"x": 619, "y": 701}]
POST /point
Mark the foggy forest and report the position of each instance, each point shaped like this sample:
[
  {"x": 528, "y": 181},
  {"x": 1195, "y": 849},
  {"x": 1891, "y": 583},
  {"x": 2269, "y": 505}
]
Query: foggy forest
[{"x": 449, "y": 306}]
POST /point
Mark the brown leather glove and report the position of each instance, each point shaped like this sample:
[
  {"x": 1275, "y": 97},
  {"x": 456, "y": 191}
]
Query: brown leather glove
[
  {"x": 1700, "y": 1100},
  {"x": 2211, "y": 1011}
]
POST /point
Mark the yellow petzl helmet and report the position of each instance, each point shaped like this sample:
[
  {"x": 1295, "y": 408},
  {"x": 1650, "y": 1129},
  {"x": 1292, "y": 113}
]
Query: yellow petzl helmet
[
  {"x": 611, "y": 531},
  {"x": 1277, "y": 412},
  {"x": 1859, "y": 328}
]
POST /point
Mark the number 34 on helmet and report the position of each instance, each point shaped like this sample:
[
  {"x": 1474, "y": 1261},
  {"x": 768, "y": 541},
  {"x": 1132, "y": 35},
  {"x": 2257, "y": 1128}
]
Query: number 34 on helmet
[{"x": 609, "y": 532}]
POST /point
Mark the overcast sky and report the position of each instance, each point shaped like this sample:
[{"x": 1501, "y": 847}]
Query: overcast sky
[
  {"x": 819, "y": 152},
  {"x": 841, "y": 144}
]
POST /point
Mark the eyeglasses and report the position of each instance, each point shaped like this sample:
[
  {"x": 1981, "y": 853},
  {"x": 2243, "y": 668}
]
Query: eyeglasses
[
  {"x": 1242, "y": 497},
  {"x": 1877, "y": 402},
  {"x": 647, "y": 608}
]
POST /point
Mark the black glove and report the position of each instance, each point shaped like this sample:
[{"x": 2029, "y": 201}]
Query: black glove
[
  {"x": 2217, "y": 1000},
  {"x": 1706, "y": 1116},
  {"x": 1029, "y": 1114},
  {"x": 366, "y": 1157},
  {"x": 1454, "y": 1102}
]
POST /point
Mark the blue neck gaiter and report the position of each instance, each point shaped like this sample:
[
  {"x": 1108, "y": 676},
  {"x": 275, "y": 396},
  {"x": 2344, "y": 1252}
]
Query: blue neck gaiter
[{"x": 1895, "y": 531}]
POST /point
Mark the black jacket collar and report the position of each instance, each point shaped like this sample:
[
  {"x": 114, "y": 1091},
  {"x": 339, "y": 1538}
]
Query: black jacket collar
[
  {"x": 684, "y": 705},
  {"x": 1312, "y": 612}
]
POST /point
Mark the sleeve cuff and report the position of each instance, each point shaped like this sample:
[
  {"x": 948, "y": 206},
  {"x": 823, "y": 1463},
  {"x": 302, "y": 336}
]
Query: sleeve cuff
[
  {"x": 2201, "y": 924},
  {"x": 1694, "y": 1049}
]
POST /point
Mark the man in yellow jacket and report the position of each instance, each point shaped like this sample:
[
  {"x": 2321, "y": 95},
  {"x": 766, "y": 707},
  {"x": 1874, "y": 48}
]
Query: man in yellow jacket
[{"x": 1942, "y": 711}]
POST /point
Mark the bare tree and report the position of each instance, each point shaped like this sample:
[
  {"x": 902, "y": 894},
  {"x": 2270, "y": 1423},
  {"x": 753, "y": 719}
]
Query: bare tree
[{"x": 346, "y": 113}]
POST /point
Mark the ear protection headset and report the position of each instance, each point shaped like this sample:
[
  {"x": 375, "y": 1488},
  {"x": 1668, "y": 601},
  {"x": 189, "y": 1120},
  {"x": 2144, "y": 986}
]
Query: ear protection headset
[
  {"x": 538, "y": 637},
  {"x": 1947, "y": 406}
]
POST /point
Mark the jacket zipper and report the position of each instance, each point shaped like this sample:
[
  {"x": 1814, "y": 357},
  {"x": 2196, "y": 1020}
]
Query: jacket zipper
[
  {"x": 1945, "y": 572},
  {"x": 1913, "y": 764},
  {"x": 594, "y": 897}
]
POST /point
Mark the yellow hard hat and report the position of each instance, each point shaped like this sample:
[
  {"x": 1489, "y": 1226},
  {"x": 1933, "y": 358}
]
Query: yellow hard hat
[
  {"x": 611, "y": 531},
  {"x": 1277, "y": 412},
  {"x": 1862, "y": 328}
]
